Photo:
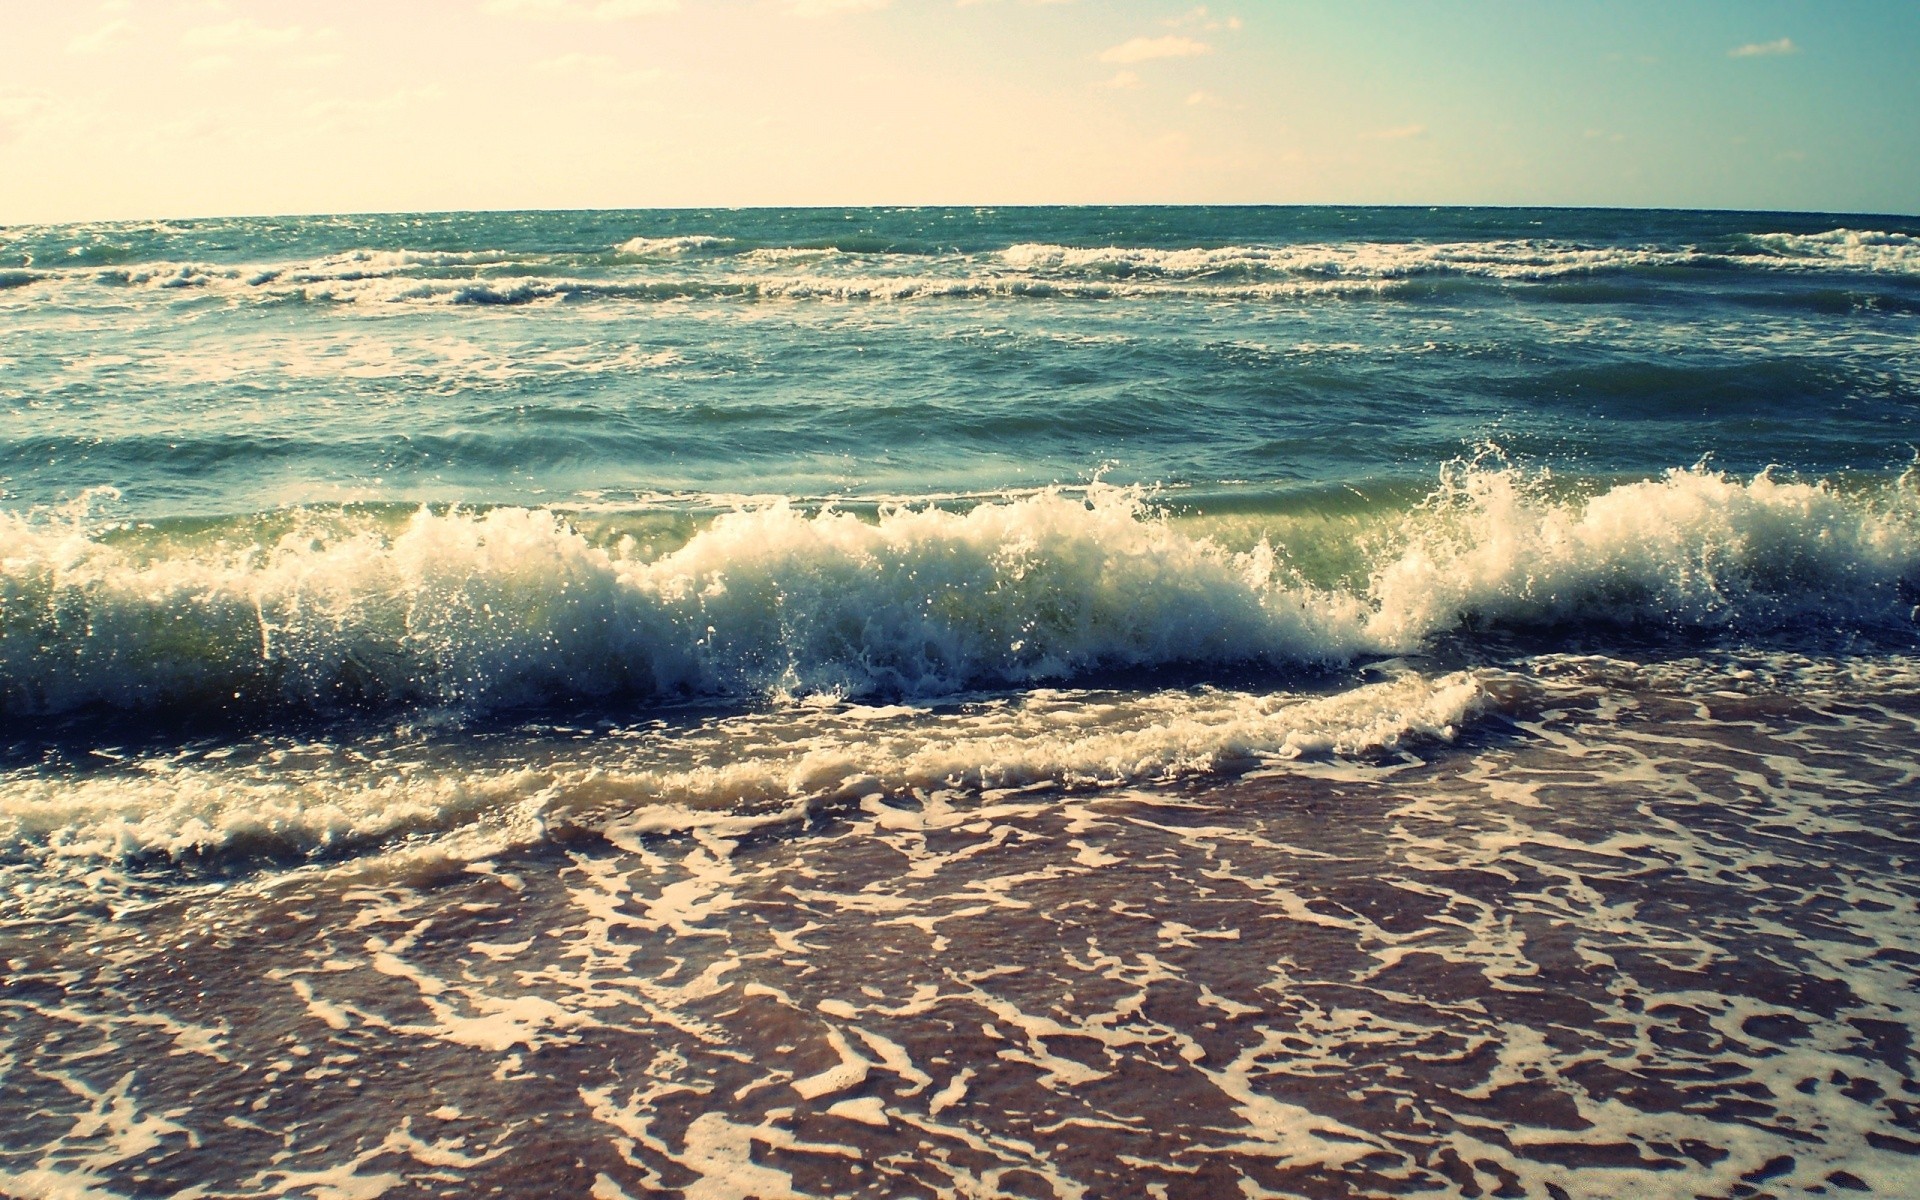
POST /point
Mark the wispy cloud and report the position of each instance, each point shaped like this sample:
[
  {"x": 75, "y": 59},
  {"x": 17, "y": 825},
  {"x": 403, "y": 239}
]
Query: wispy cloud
[
  {"x": 1200, "y": 18},
  {"x": 833, "y": 8},
  {"x": 1123, "y": 81},
  {"x": 579, "y": 10},
  {"x": 1209, "y": 100},
  {"x": 102, "y": 39},
  {"x": 1764, "y": 49},
  {"x": 1398, "y": 133},
  {"x": 1143, "y": 49}
]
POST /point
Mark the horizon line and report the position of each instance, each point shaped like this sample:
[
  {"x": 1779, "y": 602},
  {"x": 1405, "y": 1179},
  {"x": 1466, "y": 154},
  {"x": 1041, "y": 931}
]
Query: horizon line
[{"x": 906, "y": 207}]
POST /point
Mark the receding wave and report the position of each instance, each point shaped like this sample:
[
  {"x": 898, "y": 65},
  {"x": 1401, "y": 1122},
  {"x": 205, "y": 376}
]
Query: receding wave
[
  {"x": 518, "y": 607},
  {"x": 293, "y": 800}
]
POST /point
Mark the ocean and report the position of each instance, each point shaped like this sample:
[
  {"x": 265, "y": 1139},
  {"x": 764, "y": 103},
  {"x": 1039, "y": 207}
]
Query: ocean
[{"x": 1053, "y": 702}]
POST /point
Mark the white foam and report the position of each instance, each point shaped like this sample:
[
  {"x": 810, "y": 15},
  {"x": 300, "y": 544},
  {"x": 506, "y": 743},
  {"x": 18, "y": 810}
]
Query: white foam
[
  {"x": 1693, "y": 547},
  {"x": 1857, "y": 249},
  {"x": 669, "y": 268},
  {"x": 646, "y": 247},
  {"x": 726, "y": 778},
  {"x": 1510, "y": 259},
  {"x": 515, "y": 606}
]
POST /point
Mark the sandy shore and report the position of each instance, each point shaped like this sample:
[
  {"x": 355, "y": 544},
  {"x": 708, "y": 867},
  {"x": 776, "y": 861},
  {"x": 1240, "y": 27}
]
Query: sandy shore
[{"x": 1615, "y": 945}]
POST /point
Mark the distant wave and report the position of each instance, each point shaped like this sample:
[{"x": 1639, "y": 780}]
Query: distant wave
[
  {"x": 712, "y": 267},
  {"x": 646, "y": 247},
  {"x": 1515, "y": 259},
  {"x": 1860, "y": 249},
  {"x": 516, "y": 607}
]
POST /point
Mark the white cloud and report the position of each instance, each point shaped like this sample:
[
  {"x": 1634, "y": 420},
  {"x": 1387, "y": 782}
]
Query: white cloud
[
  {"x": 1764, "y": 49},
  {"x": 1141, "y": 49},
  {"x": 833, "y": 8},
  {"x": 580, "y": 10},
  {"x": 102, "y": 39},
  {"x": 1200, "y": 18},
  {"x": 244, "y": 34},
  {"x": 1398, "y": 133},
  {"x": 1123, "y": 80}
]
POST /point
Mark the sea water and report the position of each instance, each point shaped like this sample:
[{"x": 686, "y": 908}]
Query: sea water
[{"x": 962, "y": 702}]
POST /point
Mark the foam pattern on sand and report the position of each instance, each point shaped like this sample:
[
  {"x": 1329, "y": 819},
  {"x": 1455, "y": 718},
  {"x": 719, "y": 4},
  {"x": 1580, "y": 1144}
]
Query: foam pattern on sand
[{"x": 1644, "y": 950}]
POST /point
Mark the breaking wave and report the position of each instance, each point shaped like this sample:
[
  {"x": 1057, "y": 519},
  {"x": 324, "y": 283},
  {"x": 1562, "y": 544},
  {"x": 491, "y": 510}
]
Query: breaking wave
[
  {"x": 517, "y": 607},
  {"x": 1516, "y": 259}
]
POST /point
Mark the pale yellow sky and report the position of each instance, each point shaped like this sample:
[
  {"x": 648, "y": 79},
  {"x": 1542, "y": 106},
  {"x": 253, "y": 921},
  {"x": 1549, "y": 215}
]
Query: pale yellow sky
[{"x": 137, "y": 108}]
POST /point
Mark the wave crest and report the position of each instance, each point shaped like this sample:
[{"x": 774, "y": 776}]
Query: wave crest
[{"x": 517, "y": 606}]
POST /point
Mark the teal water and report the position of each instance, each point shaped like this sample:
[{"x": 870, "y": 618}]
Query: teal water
[
  {"x": 960, "y": 703},
  {"x": 226, "y": 367}
]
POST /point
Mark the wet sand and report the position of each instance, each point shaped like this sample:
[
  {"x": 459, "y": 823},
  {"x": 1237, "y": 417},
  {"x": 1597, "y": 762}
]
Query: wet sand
[{"x": 1627, "y": 941}]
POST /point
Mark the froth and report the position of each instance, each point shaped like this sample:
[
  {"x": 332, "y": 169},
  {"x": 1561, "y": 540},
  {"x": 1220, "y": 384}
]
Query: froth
[
  {"x": 514, "y": 606},
  {"x": 1859, "y": 249},
  {"x": 518, "y": 607},
  {"x": 1693, "y": 548},
  {"x": 289, "y": 800},
  {"x": 1509, "y": 259},
  {"x": 646, "y": 246}
]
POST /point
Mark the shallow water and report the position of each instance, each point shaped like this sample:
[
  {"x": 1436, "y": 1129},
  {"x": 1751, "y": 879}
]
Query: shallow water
[{"x": 1626, "y": 935}]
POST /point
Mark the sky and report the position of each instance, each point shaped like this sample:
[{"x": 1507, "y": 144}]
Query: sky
[{"x": 178, "y": 108}]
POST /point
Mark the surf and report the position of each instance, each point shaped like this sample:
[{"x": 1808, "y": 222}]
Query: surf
[{"x": 510, "y": 607}]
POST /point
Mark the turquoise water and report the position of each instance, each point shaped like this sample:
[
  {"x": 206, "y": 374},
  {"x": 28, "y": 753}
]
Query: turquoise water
[
  {"x": 226, "y": 367},
  {"x": 817, "y": 702},
  {"x": 474, "y": 459}
]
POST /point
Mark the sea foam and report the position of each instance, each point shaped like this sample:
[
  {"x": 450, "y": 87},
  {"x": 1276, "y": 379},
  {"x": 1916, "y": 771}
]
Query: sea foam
[
  {"x": 287, "y": 800},
  {"x": 515, "y": 607}
]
